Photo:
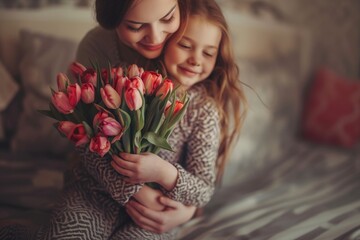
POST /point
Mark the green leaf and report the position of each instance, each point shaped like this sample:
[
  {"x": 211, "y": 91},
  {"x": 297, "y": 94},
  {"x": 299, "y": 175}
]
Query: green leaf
[
  {"x": 124, "y": 118},
  {"x": 47, "y": 113},
  {"x": 88, "y": 129},
  {"x": 157, "y": 140}
]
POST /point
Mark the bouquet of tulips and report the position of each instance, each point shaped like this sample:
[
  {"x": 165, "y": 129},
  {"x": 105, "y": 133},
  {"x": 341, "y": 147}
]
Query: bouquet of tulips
[{"x": 116, "y": 109}]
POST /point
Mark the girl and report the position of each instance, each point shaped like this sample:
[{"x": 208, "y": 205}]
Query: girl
[{"x": 201, "y": 62}]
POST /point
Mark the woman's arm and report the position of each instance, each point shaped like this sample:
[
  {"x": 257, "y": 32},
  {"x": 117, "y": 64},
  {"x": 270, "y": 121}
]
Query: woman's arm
[{"x": 100, "y": 168}]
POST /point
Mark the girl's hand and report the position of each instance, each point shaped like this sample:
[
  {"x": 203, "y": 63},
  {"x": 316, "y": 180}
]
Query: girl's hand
[
  {"x": 138, "y": 168},
  {"x": 172, "y": 216},
  {"x": 145, "y": 167}
]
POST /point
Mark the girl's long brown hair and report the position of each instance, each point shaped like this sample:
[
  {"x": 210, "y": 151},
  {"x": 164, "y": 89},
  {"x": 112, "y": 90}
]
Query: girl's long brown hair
[{"x": 223, "y": 85}]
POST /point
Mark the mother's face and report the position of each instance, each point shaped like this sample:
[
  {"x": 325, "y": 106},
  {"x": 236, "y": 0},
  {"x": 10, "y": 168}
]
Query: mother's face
[{"x": 148, "y": 24}]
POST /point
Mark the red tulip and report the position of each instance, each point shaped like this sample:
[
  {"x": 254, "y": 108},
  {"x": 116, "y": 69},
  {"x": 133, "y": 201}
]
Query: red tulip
[
  {"x": 75, "y": 132},
  {"x": 178, "y": 106},
  {"x": 166, "y": 87},
  {"x": 151, "y": 80}
]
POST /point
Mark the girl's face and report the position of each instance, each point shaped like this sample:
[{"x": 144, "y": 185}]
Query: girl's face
[
  {"x": 192, "y": 58},
  {"x": 148, "y": 24}
]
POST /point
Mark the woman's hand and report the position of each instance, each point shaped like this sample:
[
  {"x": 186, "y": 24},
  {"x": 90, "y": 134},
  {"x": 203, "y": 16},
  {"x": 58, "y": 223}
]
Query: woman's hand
[
  {"x": 145, "y": 167},
  {"x": 174, "y": 214},
  {"x": 149, "y": 197}
]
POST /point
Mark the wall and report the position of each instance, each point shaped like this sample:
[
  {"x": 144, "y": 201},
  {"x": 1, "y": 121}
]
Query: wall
[{"x": 334, "y": 27}]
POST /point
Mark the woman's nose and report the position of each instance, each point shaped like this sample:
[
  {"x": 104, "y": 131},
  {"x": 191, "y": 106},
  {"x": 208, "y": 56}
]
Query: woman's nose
[{"x": 155, "y": 35}]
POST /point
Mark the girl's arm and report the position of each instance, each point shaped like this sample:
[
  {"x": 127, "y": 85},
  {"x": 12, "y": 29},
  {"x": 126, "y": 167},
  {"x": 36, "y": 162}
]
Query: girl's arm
[
  {"x": 100, "y": 168},
  {"x": 195, "y": 183}
]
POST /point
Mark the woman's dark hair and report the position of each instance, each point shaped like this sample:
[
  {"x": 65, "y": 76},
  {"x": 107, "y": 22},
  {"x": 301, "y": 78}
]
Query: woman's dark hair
[{"x": 110, "y": 13}]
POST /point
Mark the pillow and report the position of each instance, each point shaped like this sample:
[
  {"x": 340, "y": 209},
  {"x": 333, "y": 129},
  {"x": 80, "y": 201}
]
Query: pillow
[
  {"x": 42, "y": 58},
  {"x": 332, "y": 110}
]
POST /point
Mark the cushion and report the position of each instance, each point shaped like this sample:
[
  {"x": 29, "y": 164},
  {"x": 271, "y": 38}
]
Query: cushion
[
  {"x": 332, "y": 110},
  {"x": 42, "y": 58}
]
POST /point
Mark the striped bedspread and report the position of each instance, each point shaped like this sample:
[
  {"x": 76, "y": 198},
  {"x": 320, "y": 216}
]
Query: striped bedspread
[{"x": 310, "y": 193}]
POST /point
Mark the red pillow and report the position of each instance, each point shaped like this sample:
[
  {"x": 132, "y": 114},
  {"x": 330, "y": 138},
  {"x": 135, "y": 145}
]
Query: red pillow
[{"x": 332, "y": 110}]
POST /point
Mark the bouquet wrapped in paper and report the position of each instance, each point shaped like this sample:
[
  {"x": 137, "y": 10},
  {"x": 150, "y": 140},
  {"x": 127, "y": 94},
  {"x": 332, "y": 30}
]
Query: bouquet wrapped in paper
[{"x": 118, "y": 109}]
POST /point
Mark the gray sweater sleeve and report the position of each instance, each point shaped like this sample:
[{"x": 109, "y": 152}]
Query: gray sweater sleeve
[
  {"x": 100, "y": 169},
  {"x": 196, "y": 181},
  {"x": 98, "y": 45}
]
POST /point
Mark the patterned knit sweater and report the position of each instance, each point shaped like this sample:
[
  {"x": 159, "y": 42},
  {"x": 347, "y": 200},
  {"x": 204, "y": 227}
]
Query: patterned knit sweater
[{"x": 195, "y": 141}]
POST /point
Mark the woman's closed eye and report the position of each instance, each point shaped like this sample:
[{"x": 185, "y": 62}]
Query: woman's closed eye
[
  {"x": 135, "y": 28},
  {"x": 168, "y": 19}
]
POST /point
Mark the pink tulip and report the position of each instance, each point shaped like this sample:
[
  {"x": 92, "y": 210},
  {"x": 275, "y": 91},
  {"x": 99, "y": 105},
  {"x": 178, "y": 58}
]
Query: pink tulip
[
  {"x": 133, "y": 98},
  {"x": 133, "y": 71},
  {"x": 165, "y": 88},
  {"x": 100, "y": 145},
  {"x": 119, "y": 84},
  {"x": 62, "y": 82},
  {"x": 74, "y": 94},
  {"x": 99, "y": 117},
  {"x": 62, "y": 103},
  {"x": 151, "y": 80},
  {"x": 110, "y": 127},
  {"x": 89, "y": 76},
  {"x": 110, "y": 97},
  {"x": 135, "y": 82},
  {"x": 87, "y": 93},
  {"x": 117, "y": 72},
  {"x": 105, "y": 76},
  {"x": 66, "y": 127},
  {"x": 77, "y": 69}
]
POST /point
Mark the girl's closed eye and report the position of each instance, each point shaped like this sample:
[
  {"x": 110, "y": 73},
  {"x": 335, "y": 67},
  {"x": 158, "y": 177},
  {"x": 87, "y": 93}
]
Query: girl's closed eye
[
  {"x": 184, "y": 45},
  {"x": 209, "y": 54}
]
